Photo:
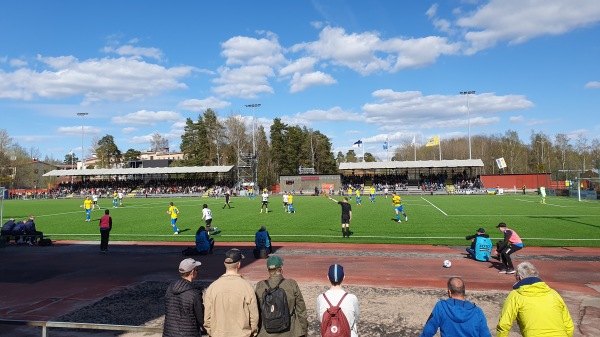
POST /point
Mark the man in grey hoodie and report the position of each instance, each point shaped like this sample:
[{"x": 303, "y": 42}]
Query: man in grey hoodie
[{"x": 456, "y": 317}]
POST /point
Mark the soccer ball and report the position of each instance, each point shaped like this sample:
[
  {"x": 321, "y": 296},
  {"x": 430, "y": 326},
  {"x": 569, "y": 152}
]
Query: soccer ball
[{"x": 447, "y": 264}]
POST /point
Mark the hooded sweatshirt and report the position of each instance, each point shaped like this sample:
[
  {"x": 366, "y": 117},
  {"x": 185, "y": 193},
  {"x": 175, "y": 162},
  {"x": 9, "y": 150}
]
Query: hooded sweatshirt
[
  {"x": 184, "y": 312},
  {"x": 456, "y": 318},
  {"x": 539, "y": 310}
]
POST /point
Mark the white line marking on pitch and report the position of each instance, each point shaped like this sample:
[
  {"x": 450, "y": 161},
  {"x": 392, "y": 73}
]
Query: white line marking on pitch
[{"x": 435, "y": 206}]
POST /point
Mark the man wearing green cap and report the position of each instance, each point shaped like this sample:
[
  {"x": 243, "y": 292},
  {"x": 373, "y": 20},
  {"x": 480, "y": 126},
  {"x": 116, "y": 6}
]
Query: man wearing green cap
[{"x": 297, "y": 308}]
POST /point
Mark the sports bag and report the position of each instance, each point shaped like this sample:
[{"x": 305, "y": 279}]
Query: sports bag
[
  {"x": 45, "y": 242},
  {"x": 275, "y": 310},
  {"x": 334, "y": 322}
]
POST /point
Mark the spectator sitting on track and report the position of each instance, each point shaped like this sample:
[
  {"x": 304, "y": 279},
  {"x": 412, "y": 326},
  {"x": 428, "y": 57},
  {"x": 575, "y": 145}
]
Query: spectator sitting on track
[
  {"x": 204, "y": 244},
  {"x": 19, "y": 230},
  {"x": 262, "y": 239},
  {"x": 30, "y": 230},
  {"x": 481, "y": 246},
  {"x": 8, "y": 227}
]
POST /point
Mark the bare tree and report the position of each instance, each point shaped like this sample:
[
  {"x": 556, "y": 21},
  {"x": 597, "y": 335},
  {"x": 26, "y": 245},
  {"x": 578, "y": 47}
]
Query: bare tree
[{"x": 158, "y": 143}]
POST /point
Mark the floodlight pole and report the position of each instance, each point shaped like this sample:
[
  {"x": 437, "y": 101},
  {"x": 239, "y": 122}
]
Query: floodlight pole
[
  {"x": 82, "y": 115},
  {"x": 254, "y": 161},
  {"x": 467, "y": 93}
]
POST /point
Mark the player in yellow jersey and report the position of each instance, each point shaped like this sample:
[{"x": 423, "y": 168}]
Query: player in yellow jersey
[
  {"x": 358, "y": 197},
  {"x": 115, "y": 199},
  {"x": 174, "y": 212},
  {"x": 87, "y": 205},
  {"x": 372, "y": 194},
  {"x": 397, "y": 202},
  {"x": 290, "y": 204}
]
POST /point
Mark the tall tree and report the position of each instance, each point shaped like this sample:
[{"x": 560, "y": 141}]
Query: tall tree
[
  {"x": 108, "y": 153},
  {"x": 158, "y": 143},
  {"x": 71, "y": 158},
  {"x": 131, "y": 155}
]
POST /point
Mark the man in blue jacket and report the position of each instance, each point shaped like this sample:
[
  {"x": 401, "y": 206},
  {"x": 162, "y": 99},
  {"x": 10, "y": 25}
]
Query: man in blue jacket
[
  {"x": 262, "y": 239},
  {"x": 456, "y": 317}
]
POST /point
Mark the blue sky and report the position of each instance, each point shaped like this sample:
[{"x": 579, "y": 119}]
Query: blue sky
[{"x": 367, "y": 70}]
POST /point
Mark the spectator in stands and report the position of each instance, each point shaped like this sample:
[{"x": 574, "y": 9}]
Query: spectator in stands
[
  {"x": 8, "y": 227},
  {"x": 184, "y": 312},
  {"x": 31, "y": 230},
  {"x": 105, "y": 228},
  {"x": 262, "y": 239}
]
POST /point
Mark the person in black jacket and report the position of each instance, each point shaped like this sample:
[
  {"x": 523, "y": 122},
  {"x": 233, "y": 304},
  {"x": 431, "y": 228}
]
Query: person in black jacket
[
  {"x": 31, "y": 230},
  {"x": 184, "y": 310},
  {"x": 8, "y": 227}
]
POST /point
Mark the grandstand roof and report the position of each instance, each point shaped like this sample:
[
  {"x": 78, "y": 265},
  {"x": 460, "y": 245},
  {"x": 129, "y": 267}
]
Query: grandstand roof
[
  {"x": 147, "y": 170},
  {"x": 412, "y": 164}
]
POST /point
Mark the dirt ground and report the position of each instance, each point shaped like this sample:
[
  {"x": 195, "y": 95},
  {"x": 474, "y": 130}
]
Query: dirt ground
[{"x": 385, "y": 312}]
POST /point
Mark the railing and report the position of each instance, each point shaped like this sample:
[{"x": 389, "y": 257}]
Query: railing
[{"x": 90, "y": 326}]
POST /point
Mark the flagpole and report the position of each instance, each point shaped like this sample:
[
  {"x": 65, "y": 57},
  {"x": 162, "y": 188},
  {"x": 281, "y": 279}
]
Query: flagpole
[
  {"x": 440, "y": 147},
  {"x": 415, "y": 146},
  {"x": 387, "y": 147}
]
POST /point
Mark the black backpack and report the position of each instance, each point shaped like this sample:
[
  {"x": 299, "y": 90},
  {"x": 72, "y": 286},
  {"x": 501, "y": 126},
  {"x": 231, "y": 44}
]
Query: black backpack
[{"x": 274, "y": 309}]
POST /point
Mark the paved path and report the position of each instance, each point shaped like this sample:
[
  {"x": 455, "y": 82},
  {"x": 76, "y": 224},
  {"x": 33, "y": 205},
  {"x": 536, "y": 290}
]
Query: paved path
[{"x": 43, "y": 283}]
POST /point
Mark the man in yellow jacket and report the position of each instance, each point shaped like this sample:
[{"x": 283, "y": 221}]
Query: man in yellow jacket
[{"x": 539, "y": 309}]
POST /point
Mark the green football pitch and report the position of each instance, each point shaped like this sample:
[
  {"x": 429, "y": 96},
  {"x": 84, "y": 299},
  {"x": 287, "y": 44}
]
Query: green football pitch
[{"x": 439, "y": 220}]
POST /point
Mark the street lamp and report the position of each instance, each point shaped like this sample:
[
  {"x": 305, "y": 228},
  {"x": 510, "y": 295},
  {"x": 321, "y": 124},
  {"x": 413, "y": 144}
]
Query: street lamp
[
  {"x": 82, "y": 115},
  {"x": 254, "y": 161},
  {"x": 467, "y": 93}
]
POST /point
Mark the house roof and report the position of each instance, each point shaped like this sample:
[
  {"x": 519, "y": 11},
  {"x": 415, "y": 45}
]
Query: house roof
[
  {"x": 147, "y": 170},
  {"x": 412, "y": 164}
]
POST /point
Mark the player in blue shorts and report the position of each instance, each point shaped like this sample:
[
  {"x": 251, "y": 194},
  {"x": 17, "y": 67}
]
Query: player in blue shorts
[{"x": 397, "y": 202}]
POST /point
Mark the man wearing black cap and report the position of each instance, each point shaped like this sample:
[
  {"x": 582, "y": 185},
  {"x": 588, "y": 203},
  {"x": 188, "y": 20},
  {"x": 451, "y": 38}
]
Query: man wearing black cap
[
  {"x": 230, "y": 307},
  {"x": 184, "y": 313},
  {"x": 349, "y": 304},
  {"x": 481, "y": 246},
  {"x": 298, "y": 324},
  {"x": 511, "y": 243}
]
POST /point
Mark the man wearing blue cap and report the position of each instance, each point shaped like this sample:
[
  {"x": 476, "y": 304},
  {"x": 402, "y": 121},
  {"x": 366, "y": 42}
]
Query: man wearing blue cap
[
  {"x": 349, "y": 303},
  {"x": 296, "y": 307}
]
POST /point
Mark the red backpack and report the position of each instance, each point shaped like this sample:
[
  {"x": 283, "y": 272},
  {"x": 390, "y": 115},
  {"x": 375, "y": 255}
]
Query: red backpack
[{"x": 335, "y": 323}]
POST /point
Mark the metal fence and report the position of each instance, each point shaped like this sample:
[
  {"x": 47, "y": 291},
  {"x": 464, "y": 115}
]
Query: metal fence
[{"x": 45, "y": 325}]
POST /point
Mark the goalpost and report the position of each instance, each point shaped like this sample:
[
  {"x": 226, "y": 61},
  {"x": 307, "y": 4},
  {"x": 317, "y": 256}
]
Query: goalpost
[{"x": 579, "y": 180}]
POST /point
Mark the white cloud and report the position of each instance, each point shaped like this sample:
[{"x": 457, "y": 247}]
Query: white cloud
[
  {"x": 146, "y": 118},
  {"x": 516, "y": 119},
  {"x": 203, "y": 104},
  {"x": 300, "y": 82},
  {"x": 94, "y": 79},
  {"x": 76, "y": 130},
  {"x": 334, "y": 114},
  {"x": 242, "y": 50},
  {"x": 129, "y": 130},
  {"x": 129, "y": 50},
  {"x": 592, "y": 85},
  {"x": 517, "y": 21},
  {"x": 366, "y": 52},
  {"x": 244, "y": 82},
  {"x": 18, "y": 63},
  {"x": 412, "y": 107},
  {"x": 301, "y": 65}
]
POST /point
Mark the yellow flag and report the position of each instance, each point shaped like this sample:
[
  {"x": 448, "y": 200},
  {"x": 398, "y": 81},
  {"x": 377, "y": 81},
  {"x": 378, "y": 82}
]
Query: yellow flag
[{"x": 433, "y": 141}]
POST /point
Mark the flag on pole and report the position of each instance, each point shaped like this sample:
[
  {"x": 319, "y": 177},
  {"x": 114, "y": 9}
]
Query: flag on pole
[
  {"x": 433, "y": 141},
  {"x": 385, "y": 145},
  {"x": 414, "y": 140},
  {"x": 358, "y": 143}
]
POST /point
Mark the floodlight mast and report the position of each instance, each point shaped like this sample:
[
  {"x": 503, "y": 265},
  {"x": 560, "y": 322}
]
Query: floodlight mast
[
  {"x": 467, "y": 93},
  {"x": 254, "y": 159},
  {"x": 82, "y": 115}
]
